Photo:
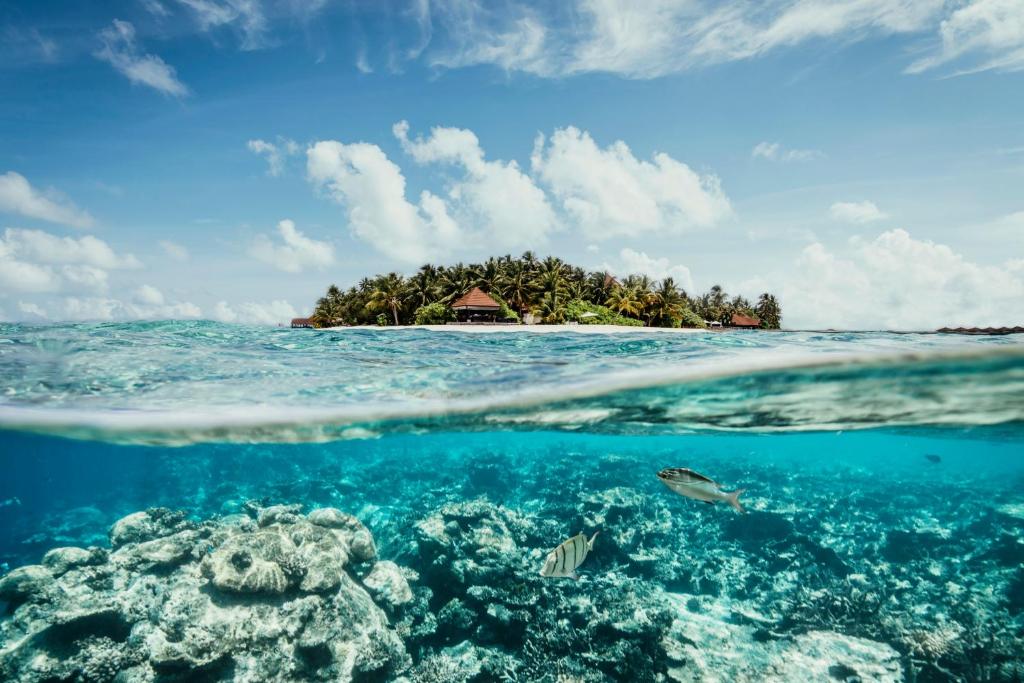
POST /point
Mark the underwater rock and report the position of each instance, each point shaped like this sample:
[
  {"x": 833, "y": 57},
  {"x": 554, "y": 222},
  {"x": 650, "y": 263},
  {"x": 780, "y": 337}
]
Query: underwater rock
[
  {"x": 351, "y": 530},
  {"x": 706, "y": 645},
  {"x": 61, "y": 560},
  {"x": 387, "y": 583},
  {"x": 214, "y": 600},
  {"x": 147, "y": 525},
  {"x": 25, "y": 583}
]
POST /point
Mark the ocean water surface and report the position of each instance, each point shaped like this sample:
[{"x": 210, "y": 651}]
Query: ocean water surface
[{"x": 198, "y": 501}]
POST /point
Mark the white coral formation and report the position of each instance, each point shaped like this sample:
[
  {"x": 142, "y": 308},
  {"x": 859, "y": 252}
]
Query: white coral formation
[{"x": 213, "y": 600}]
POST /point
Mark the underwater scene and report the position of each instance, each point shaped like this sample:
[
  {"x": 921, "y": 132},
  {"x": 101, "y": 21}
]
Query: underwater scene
[{"x": 194, "y": 501}]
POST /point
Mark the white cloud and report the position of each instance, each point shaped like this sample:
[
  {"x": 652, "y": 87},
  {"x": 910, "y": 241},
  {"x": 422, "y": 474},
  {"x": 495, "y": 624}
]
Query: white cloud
[
  {"x": 656, "y": 37},
  {"x": 609, "y": 192},
  {"x": 774, "y": 151},
  {"x": 155, "y": 7},
  {"x": 276, "y": 154},
  {"x": 246, "y": 16},
  {"x": 36, "y": 261},
  {"x": 43, "y": 247},
  {"x": 495, "y": 197},
  {"x": 18, "y": 196},
  {"x": 363, "y": 62},
  {"x": 276, "y": 312},
  {"x": 986, "y": 34},
  {"x": 32, "y": 309},
  {"x": 120, "y": 51},
  {"x": 639, "y": 263},
  {"x": 149, "y": 295},
  {"x": 897, "y": 282},
  {"x": 103, "y": 308},
  {"x": 492, "y": 204},
  {"x": 294, "y": 253},
  {"x": 372, "y": 188},
  {"x": 858, "y": 213},
  {"x": 174, "y": 250}
]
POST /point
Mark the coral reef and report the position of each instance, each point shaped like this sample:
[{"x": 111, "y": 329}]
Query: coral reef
[
  {"x": 900, "y": 578},
  {"x": 232, "y": 598}
]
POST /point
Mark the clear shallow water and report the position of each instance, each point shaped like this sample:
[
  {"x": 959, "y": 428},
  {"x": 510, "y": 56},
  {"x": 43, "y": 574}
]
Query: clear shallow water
[{"x": 884, "y": 477}]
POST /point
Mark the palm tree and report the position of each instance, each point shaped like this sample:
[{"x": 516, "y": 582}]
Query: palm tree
[
  {"x": 423, "y": 286},
  {"x": 769, "y": 312},
  {"x": 488, "y": 276},
  {"x": 456, "y": 281},
  {"x": 389, "y": 293},
  {"x": 551, "y": 307},
  {"x": 518, "y": 287},
  {"x": 667, "y": 303},
  {"x": 628, "y": 301}
]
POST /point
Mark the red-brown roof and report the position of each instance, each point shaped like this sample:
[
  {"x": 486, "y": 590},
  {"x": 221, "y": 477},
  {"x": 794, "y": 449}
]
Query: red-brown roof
[
  {"x": 476, "y": 298},
  {"x": 740, "y": 320}
]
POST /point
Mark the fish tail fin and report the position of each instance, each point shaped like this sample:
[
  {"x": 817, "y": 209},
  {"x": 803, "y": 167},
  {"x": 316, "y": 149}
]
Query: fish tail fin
[
  {"x": 590, "y": 543},
  {"x": 734, "y": 500}
]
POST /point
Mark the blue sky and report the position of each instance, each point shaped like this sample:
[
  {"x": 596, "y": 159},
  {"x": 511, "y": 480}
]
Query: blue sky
[{"x": 864, "y": 159}]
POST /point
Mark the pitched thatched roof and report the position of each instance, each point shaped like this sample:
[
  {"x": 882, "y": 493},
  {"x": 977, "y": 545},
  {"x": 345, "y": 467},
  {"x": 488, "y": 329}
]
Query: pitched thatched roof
[{"x": 476, "y": 298}]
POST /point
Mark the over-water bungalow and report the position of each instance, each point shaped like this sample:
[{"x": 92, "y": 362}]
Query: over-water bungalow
[
  {"x": 476, "y": 307},
  {"x": 744, "y": 322},
  {"x": 302, "y": 322}
]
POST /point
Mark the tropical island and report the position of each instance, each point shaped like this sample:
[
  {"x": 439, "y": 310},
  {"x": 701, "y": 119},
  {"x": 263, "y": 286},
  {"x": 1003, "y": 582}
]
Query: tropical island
[{"x": 530, "y": 290}]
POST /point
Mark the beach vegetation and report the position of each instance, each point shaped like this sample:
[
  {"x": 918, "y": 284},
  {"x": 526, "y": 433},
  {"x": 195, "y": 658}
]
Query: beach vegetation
[
  {"x": 549, "y": 289},
  {"x": 435, "y": 313}
]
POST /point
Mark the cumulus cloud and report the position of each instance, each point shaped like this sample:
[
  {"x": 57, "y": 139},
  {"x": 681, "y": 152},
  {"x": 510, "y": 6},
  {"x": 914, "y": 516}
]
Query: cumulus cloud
[
  {"x": 371, "y": 187},
  {"x": 898, "y": 282},
  {"x": 609, "y": 192},
  {"x": 32, "y": 309},
  {"x": 491, "y": 203},
  {"x": 494, "y": 196},
  {"x": 104, "y": 308},
  {"x": 858, "y": 213},
  {"x": 149, "y": 295},
  {"x": 275, "y": 312},
  {"x": 639, "y": 263},
  {"x": 244, "y": 16},
  {"x": 295, "y": 252},
  {"x": 174, "y": 250},
  {"x": 980, "y": 35},
  {"x": 275, "y": 153},
  {"x": 120, "y": 50},
  {"x": 18, "y": 196},
  {"x": 37, "y": 261},
  {"x": 44, "y": 247},
  {"x": 774, "y": 151}
]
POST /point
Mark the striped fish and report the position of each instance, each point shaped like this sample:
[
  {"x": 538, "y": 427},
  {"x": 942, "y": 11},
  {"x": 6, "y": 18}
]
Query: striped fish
[{"x": 563, "y": 560}]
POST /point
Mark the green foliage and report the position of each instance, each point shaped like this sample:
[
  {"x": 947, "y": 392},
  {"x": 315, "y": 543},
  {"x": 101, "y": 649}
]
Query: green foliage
[
  {"x": 597, "y": 314},
  {"x": 691, "y": 319},
  {"x": 436, "y": 313},
  {"x": 769, "y": 312},
  {"x": 505, "y": 313},
  {"x": 553, "y": 290}
]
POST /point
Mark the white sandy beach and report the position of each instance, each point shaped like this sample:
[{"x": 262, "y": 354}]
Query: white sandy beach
[{"x": 537, "y": 329}]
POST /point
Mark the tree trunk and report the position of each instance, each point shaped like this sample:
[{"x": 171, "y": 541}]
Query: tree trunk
[{"x": 394, "y": 312}]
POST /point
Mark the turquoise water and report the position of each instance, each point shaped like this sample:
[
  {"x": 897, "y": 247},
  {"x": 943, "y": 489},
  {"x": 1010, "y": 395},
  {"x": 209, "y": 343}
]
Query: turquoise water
[{"x": 883, "y": 477}]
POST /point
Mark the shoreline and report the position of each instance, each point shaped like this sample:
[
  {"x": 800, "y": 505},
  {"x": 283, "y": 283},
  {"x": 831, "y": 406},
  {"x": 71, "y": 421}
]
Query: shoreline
[{"x": 535, "y": 329}]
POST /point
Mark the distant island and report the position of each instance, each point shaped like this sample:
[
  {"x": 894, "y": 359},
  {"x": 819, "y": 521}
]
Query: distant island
[{"x": 527, "y": 289}]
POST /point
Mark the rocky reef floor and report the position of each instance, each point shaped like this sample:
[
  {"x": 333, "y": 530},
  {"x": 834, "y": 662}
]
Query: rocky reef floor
[{"x": 412, "y": 568}]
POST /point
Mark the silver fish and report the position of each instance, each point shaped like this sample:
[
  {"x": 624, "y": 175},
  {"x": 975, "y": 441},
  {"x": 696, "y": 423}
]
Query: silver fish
[
  {"x": 563, "y": 560},
  {"x": 693, "y": 485}
]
